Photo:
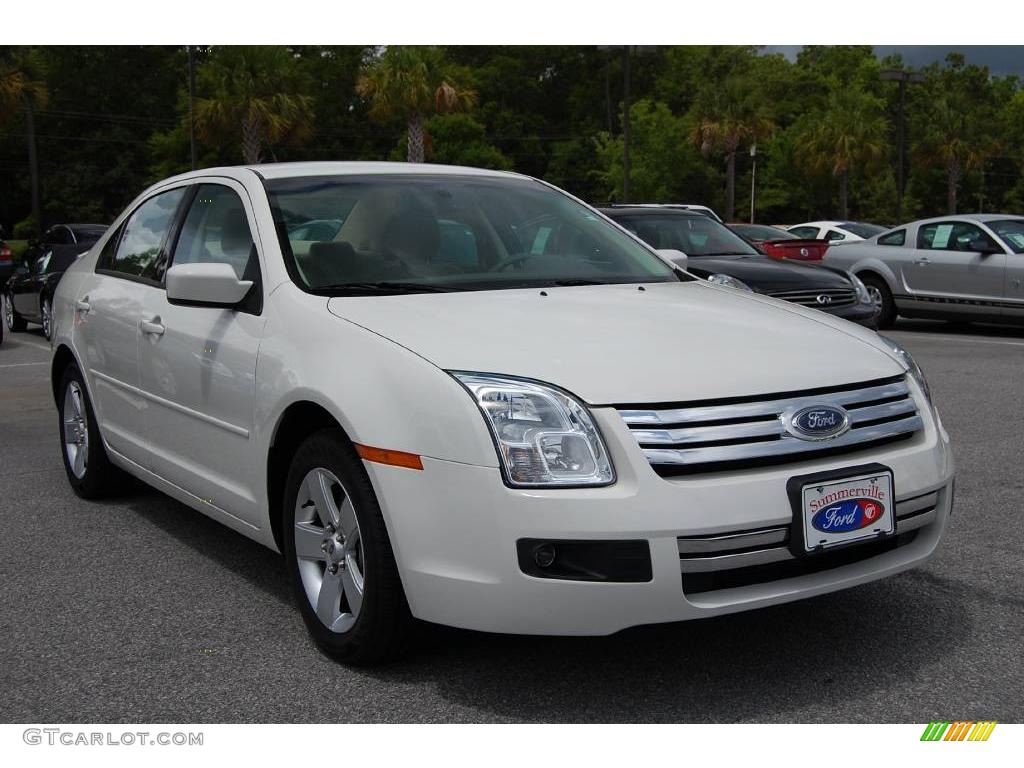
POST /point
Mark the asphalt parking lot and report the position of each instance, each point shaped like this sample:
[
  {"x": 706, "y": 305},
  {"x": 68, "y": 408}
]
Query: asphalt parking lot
[{"x": 140, "y": 609}]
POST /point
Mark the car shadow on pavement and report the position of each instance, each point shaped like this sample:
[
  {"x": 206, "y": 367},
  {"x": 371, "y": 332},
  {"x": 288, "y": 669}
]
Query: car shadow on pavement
[
  {"x": 782, "y": 663},
  {"x": 226, "y": 548},
  {"x": 779, "y": 663}
]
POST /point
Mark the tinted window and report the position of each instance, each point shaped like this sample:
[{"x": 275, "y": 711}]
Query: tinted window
[
  {"x": 899, "y": 237},
  {"x": 63, "y": 259},
  {"x": 450, "y": 233},
  {"x": 951, "y": 236},
  {"x": 762, "y": 232},
  {"x": 89, "y": 234},
  {"x": 216, "y": 230},
  {"x": 693, "y": 235},
  {"x": 1010, "y": 232},
  {"x": 143, "y": 235},
  {"x": 833, "y": 234},
  {"x": 57, "y": 236},
  {"x": 862, "y": 230},
  {"x": 810, "y": 233}
]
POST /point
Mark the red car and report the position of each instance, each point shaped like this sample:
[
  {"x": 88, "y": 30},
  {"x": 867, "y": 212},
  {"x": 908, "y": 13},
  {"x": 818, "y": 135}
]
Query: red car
[{"x": 780, "y": 244}]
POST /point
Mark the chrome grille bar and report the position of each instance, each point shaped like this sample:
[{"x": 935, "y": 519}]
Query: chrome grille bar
[{"x": 687, "y": 437}]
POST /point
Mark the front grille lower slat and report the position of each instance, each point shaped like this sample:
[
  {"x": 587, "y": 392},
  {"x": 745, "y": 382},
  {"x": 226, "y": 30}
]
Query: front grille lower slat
[{"x": 718, "y": 436}]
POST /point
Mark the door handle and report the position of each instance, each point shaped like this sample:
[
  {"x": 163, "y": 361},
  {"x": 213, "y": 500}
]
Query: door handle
[
  {"x": 152, "y": 326},
  {"x": 922, "y": 262},
  {"x": 83, "y": 305}
]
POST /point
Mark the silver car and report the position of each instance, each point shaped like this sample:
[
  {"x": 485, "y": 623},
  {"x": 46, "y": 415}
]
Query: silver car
[{"x": 960, "y": 268}]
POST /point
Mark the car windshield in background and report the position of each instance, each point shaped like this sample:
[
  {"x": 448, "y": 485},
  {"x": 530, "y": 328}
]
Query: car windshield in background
[
  {"x": 1011, "y": 232},
  {"x": 862, "y": 230},
  {"x": 692, "y": 234},
  {"x": 762, "y": 232},
  {"x": 371, "y": 234}
]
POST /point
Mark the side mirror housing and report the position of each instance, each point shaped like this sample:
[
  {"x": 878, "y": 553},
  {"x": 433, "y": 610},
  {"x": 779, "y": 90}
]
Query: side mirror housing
[
  {"x": 676, "y": 257},
  {"x": 984, "y": 247},
  {"x": 206, "y": 285}
]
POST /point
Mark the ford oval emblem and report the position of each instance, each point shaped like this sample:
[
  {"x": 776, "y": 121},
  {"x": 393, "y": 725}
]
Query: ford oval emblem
[
  {"x": 816, "y": 422},
  {"x": 848, "y": 515}
]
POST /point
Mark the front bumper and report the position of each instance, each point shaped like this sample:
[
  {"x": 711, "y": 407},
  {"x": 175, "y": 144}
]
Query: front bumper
[{"x": 455, "y": 528}]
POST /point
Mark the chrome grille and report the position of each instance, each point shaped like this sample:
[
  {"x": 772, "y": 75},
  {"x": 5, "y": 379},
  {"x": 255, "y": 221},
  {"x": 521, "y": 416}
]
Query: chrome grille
[
  {"x": 747, "y": 432},
  {"x": 736, "y": 552},
  {"x": 826, "y": 298}
]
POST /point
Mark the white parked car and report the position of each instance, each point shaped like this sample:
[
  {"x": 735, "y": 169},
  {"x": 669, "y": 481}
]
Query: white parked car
[
  {"x": 481, "y": 403},
  {"x": 835, "y": 232}
]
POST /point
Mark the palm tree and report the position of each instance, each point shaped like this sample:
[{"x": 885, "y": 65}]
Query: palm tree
[
  {"x": 23, "y": 85},
  {"x": 253, "y": 93},
  {"x": 850, "y": 132},
  {"x": 727, "y": 117},
  {"x": 411, "y": 83},
  {"x": 954, "y": 139}
]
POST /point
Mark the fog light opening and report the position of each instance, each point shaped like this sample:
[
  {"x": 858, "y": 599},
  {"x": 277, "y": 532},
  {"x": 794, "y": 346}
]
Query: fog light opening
[{"x": 544, "y": 555}]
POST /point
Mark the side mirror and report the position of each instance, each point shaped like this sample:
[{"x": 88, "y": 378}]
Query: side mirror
[
  {"x": 676, "y": 257},
  {"x": 983, "y": 247},
  {"x": 206, "y": 285}
]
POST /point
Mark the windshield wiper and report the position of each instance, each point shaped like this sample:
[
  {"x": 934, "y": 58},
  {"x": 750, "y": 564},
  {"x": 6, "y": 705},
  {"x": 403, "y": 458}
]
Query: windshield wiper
[{"x": 387, "y": 286}]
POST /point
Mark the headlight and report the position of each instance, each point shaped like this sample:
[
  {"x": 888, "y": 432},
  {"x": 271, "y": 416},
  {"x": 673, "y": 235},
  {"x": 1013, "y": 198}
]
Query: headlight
[
  {"x": 545, "y": 437},
  {"x": 728, "y": 280},
  {"x": 909, "y": 363},
  {"x": 862, "y": 290}
]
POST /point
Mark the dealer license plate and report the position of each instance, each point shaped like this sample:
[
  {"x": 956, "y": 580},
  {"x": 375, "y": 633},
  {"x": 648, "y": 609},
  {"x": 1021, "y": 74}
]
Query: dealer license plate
[{"x": 848, "y": 510}]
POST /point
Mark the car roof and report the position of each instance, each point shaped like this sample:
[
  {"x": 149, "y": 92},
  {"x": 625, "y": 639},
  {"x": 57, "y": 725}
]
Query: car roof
[
  {"x": 982, "y": 217},
  {"x": 648, "y": 210},
  {"x": 340, "y": 168}
]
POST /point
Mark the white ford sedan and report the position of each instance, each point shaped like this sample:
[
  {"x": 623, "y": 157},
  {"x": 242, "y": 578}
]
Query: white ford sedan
[{"x": 465, "y": 397}]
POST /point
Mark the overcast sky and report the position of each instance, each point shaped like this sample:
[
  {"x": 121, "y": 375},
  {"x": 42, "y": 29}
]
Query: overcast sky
[{"x": 1000, "y": 59}]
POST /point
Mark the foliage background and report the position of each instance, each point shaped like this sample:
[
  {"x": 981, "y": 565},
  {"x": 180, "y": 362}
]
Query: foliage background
[{"x": 116, "y": 120}]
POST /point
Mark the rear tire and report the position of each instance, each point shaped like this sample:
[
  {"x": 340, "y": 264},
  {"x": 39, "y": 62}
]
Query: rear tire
[
  {"x": 339, "y": 555},
  {"x": 15, "y": 322},
  {"x": 85, "y": 460},
  {"x": 882, "y": 298}
]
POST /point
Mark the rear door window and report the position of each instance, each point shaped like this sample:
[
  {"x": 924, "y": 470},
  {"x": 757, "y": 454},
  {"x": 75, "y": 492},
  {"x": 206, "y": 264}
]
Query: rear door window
[{"x": 899, "y": 237}]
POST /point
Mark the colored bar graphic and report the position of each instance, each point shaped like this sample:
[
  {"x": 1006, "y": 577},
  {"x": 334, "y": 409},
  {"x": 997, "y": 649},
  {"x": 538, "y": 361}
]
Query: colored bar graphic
[{"x": 959, "y": 730}]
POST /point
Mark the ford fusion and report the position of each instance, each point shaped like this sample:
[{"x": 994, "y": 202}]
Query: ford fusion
[{"x": 463, "y": 396}]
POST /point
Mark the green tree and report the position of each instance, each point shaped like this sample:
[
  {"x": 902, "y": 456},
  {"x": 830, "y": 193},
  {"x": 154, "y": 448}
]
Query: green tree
[
  {"x": 954, "y": 140},
  {"x": 23, "y": 86},
  {"x": 253, "y": 94},
  {"x": 413, "y": 83},
  {"x": 728, "y": 116},
  {"x": 850, "y": 132}
]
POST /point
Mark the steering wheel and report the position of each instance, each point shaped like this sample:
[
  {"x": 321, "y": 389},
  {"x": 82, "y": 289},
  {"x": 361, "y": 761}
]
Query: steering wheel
[{"x": 512, "y": 258}]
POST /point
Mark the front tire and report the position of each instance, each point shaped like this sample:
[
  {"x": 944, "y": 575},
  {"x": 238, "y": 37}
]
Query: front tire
[
  {"x": 85, "y": 460},
  {"x": 339, "y": 555},
  {"x": 15, "y": 321},
  {"x": 881, "y": 296}
]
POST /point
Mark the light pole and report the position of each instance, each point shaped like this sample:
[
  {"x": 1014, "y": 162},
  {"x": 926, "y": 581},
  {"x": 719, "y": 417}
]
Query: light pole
[
  {"x": 191, "y": 97},
  {"x": 753, "y": 179},
  {"x": 903, "y": 77}
]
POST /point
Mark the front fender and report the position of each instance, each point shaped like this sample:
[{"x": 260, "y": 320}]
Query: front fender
[{"x": 382, "y": 394}]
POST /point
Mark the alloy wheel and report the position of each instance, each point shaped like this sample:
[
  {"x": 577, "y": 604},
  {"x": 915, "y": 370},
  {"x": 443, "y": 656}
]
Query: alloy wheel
[
  {"x": 47, "y": 312},
  {"x": 8, "y": 312},
  {"x": 329, "y": 549},
  {"x": 76, "y": 430},
  {"x": 876, "y": 297}
]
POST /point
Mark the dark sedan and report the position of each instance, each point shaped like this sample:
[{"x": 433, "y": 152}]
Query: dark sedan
[
  {"x": 718, "y": 255},
  {"x": 29, "y": 293}
]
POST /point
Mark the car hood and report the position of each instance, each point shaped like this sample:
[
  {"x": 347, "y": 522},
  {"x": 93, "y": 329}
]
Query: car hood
[
  {"x": 767, "y": 275},
  {"x": 609, "y": 344}
]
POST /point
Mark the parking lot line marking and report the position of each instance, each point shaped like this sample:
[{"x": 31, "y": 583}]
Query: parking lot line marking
[
  {"x": 32, "y": 344},
  {"x": 967, "y": 339},
  {"x": 20, "y": 365}
]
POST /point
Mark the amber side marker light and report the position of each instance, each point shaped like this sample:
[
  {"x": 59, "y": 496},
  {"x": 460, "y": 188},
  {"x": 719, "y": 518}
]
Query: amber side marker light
[{"x": 384, "y": 456}]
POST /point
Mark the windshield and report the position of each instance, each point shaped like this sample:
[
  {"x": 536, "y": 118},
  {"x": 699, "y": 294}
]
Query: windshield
[
  {"x": 1011, "y": 232},
  {"x": 365, "y": 234},
  {"x": 693, "y": 235},
  {"x": 862, "y": 230},
  {"x": 762, "y": 232}
]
